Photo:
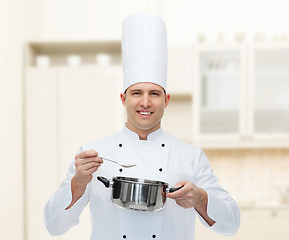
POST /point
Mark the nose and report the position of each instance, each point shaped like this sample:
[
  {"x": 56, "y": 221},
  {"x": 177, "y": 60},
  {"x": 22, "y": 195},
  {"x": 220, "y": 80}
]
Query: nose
[{"x": 145, "y": 102}]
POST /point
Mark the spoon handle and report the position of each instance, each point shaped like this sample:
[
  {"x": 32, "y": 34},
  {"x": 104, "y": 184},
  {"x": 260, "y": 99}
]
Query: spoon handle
[
  {"x": 122, "y": 165},
  {"x": 109, "y": 160}
]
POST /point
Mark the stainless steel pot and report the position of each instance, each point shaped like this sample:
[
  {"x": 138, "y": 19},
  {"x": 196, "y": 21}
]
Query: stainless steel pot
[{"x": 137, "y": 193}]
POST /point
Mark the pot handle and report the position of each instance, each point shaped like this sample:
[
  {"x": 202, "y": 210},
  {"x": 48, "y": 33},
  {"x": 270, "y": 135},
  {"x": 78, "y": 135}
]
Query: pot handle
[
  {"x": 170, "y": 190},
  {"x": 104, "y": 180}
]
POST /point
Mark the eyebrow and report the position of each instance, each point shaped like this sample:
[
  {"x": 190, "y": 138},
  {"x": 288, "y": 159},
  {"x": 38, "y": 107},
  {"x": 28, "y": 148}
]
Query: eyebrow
[
  {"x": 134, "y": 90},
  {"x": 139, "y": 90},
  {"x": 156, "y": 91}
]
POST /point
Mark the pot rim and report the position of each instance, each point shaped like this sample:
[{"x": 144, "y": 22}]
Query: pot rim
[{"x": 139, "y": 181}]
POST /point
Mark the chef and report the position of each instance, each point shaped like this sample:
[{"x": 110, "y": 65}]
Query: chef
[{"x": 156, "y": 154}]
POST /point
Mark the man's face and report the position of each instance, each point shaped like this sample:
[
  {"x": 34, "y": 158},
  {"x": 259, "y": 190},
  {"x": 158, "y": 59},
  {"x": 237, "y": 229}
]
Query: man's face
[{"x": 145, "y": 104}]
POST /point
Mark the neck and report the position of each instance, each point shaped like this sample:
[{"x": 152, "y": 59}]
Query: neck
[{"x": 143, "y": 133}]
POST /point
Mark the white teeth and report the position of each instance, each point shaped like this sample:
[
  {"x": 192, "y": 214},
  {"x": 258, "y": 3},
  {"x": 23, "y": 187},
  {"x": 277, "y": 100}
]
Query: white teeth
[{"x": 145, "y": 113}]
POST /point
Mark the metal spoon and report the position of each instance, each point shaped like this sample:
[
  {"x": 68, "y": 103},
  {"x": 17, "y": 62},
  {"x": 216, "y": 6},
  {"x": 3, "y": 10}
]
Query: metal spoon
[{"x": 122, "y": 165}]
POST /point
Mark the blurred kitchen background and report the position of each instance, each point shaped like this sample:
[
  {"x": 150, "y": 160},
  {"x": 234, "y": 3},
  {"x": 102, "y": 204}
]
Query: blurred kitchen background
[{"x": 228, "y": 74}]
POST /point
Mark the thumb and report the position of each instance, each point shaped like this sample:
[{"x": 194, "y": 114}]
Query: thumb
[
  {"x": 178, "y": 192},
  {"x": 181, "y": 183}
]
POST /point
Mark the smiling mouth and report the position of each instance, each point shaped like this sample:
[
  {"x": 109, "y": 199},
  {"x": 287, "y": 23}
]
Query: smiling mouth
[{"x": 144, "y": 113}]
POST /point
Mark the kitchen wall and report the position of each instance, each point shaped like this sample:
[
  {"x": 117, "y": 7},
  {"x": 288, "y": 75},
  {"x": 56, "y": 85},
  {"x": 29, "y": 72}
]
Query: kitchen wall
[
  {"x": 12, "y": 24},
  {"x": 253, "y": 176},
  {"x": 186, "y": 19}
]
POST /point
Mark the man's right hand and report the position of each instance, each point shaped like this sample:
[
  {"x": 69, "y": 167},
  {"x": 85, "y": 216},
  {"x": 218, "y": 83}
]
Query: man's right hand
[{"x": 86, "y": 163}]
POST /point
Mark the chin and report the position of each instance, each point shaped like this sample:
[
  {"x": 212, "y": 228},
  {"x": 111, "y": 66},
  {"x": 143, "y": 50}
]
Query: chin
[{"x": 148, "y": 127}]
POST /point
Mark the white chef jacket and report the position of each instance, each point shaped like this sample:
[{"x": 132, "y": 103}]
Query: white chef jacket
[{"x": 161, "y": 157}]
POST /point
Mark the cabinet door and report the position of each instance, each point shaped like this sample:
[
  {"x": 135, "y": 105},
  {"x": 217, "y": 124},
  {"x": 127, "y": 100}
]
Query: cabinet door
[
  {"x": 270, "y": 91},
  {"x": 218, "y": 91},
  {"x": 42, "y": 161},
  {"x": 86, "y": 18},
  {"x": 64, "y": 109},
  {"x": 180, "y": 69},
  {"x": 89, "y": 109}
]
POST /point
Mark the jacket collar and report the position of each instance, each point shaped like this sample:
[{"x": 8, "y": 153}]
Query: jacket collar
[{"x": 152, "y": 136}]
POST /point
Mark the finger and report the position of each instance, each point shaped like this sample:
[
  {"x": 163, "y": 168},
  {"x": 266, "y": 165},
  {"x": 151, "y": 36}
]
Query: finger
[
  {"x": 182, "y": 183},
  {"x": 181, "y": 192},
  {"x": 178, "y": 201},
  {"x": 87, "y": 170},
  {"x": 87, "y": 166},
  {"x": 83, "y": 161},
  {"x": 184, "y": 204},
  {"x": 182, "y": 198},
  {"x": 92, "y": 159},
  {"x": 87, "y": 154},
  {"x": 92, "y": 170}
]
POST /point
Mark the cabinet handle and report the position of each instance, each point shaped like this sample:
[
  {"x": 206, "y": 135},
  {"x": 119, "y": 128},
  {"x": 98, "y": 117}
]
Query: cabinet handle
[{"x": 274, "y": 214}]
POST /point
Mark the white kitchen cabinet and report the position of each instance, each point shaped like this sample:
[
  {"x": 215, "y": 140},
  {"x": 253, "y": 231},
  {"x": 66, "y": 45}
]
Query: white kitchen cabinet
[
  {"x": 240, "y": 96},
  {"x": 219, "y": 83},
  {"x": 180, "y": 62},
  {"x": 88, "y": 19},
  {"x": 178, "y": 117},
  {"x": 65, "y": 108},
  {"x": 269, "y": 78},
  {"x": 78, "y": 19},
  {"x": 179, "y": 111},
  {"x": 89, "y": 108},
  {"x": 41, "y": 147}
]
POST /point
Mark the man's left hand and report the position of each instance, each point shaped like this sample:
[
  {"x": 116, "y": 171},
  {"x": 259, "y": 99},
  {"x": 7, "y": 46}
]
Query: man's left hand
[{"x": 189, "y": 195}]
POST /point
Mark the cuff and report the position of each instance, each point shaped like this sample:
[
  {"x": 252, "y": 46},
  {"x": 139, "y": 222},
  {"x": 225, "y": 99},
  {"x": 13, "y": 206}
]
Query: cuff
[
  {"x": 216, "y": 208},
  {"x": 226, "y": 216},
  {"x": 63, "y": 199}
]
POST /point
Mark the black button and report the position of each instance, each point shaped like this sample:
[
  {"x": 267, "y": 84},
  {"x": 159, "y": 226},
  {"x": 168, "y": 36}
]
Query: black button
[
  {"x": 120, "y": 145},
  {"x": 160, "y": 169},
  {"x": 163, "y": 145},
  {"x": 120, "y": 170},
  {"x": 124, "y": 236},
  {"x": 154, "y": 236}
]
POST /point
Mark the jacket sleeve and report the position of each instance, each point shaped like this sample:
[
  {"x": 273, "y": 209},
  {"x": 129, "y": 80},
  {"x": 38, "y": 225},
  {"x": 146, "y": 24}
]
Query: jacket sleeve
[
  {"x": 221, "y": 207},
  {"x": 58, "y": 220}
]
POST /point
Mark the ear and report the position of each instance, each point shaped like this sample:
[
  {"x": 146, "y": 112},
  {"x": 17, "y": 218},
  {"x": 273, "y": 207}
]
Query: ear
[
  {"x": 167, "y": 99},
  {"x": 123, "y": 98}
]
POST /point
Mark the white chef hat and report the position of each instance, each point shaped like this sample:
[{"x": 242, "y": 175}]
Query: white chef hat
[{"x": 144, "y": 50}]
